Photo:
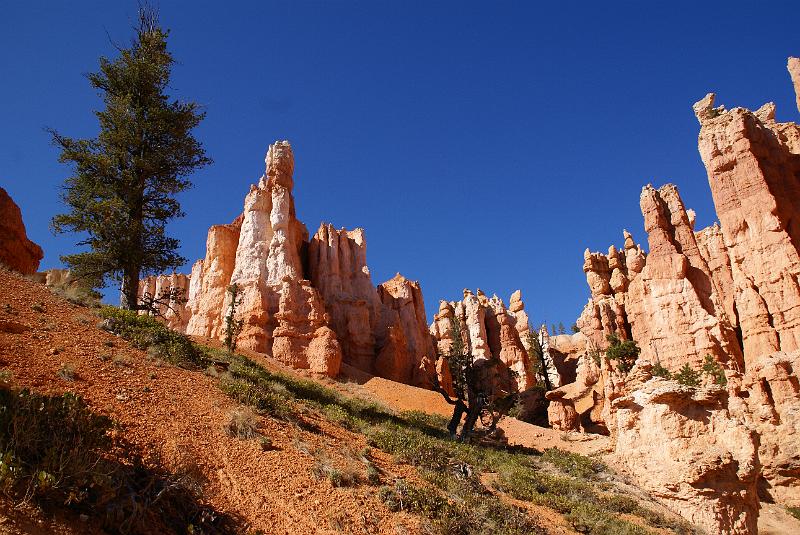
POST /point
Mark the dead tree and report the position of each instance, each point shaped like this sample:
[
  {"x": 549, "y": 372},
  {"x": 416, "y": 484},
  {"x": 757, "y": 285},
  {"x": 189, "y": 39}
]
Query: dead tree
[{"x": 472, "y": 395}]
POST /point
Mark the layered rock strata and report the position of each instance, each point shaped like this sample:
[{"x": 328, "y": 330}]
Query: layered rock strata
[
  {"x": 491, "y": 332},
  {"x": 310, "y": 303},
  {"x": 682, "y": 446},
  {"x": 730, "y": 291},
  {"x": 16, "y": 250}
]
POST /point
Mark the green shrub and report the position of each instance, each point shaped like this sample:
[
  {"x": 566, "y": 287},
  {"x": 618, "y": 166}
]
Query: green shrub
[
  {"x": 660, "y": 371},
  {"x": 258, "y": 396},
  {"x": 55, "y": 451},
  {"x": 467, "y": 514},
  {"x": 145, "y": 332},
  {"x": 794, "y": 511},
  {"x": 573, "y": 463},
  {"x": 587, "y": 518},
  {"x": 687, "y": 376},
  {"x": 712, "y": 368},
  {"x": 51, "y": 445},
  {"x": 625, "y": 352}
]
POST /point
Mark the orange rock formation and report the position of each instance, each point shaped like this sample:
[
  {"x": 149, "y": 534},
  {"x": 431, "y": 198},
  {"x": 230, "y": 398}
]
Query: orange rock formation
[
  {"x": 16, "y": 250},
  {"x": 730, "y": 291}
]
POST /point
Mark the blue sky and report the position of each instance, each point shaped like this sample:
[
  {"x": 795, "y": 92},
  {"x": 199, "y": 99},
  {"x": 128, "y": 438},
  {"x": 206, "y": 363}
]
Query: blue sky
[{"x": 480, "y": 145}]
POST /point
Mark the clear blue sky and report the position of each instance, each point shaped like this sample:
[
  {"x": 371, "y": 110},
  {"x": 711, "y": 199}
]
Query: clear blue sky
[{"x": 479, "y": 144}]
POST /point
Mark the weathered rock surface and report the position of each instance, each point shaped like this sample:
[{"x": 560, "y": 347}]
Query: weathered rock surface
[
  {"x": 210, "y": 278},
  {"x": 768, "y": 397},
  {"x": 794, "y": 71},
  {"x": 309, "y": 303},
  {"x": 754, "y": 171},
  {"x": 338, "y": 269},
  {"x": 683, "y": 446},
  {"x": 16, "y": 250},
  {"x": 170, "y": 291},
  {"x": 730, "y": 291},
  {"x": 407, "y": 352},
  {"x": 491, "y": 331},
  {"x": 261, "y": 252}
]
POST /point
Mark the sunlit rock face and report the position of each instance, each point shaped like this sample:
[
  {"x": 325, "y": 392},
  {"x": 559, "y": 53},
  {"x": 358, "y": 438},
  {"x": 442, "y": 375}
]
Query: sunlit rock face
[
  {"x": 309, "y": 303},
  {"x": 170, "y": 292},
  {"x": 491, "y": 331},
  {"x": 729, "y": 291},
  {"x": 683, "y": 446},
  {"x": 338, "y": 268},
  {"x": 16, "y": 250}
]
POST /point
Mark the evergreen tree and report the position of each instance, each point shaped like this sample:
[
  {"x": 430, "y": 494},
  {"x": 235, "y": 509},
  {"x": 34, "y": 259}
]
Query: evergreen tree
[
  {"x": 687, "y": 376},
  {"x": 537, "y": 360},
  {"x": 625, "y": 352},
  {"x": 123, "y": 189},
  {"x": 712, "y": 368},
  {"x": 232, "y": 326}
]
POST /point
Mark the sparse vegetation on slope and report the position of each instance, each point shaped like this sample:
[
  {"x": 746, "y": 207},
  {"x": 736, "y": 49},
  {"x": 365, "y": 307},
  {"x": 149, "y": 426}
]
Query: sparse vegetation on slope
[
  {"x": 55, "y": 451},
  {"x": 462, "y": 487}
]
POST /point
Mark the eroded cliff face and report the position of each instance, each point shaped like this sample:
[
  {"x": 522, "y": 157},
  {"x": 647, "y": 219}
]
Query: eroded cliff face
[
  {"x": 338, "y": 268},
  {"x": 407, "y": 351},
  {"x": 170, "y": 291},
  {"x": 261, "y": 252},
  {"x": 491, "y": 332},
  {"x": 16, "y": 250},
  {"x": 309, "y": 303},
  {"x": 730, "y": 291},
  {"x": 684, "y": 448}
]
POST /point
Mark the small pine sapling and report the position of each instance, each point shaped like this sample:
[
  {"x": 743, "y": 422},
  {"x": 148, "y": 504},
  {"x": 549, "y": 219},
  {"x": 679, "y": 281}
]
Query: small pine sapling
[
  {"x": 625, "y": 352},
  {"x": 687, "y": 376},
  {"x": 660, "y": 371},
  {"x": 232, "y": 326},
  {"x": 712, "y": 368}
]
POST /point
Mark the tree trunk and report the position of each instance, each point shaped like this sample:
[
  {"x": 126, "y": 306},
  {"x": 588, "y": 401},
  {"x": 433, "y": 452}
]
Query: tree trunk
[
  {"x": 129, "y": 293},
  {"x": 458, "y": 412}
]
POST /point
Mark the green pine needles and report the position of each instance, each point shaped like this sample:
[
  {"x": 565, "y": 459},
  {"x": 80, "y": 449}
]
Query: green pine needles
[
  {"x": 690, "y": 377},
  {"x": 123, "y": 188},
  {"x": 232, "y": 326},
  {"x": 625, "y": 352}
]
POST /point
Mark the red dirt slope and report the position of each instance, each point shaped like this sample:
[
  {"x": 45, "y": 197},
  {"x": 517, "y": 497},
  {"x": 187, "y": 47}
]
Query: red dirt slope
[{"x": 178, "y": 415}]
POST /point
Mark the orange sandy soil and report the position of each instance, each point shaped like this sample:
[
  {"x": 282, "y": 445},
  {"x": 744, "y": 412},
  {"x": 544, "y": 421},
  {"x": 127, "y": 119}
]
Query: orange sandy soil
[{"x": 179, "y": 415}]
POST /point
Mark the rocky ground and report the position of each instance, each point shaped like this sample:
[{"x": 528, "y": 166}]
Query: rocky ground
[{"x": 178, "y": 416}]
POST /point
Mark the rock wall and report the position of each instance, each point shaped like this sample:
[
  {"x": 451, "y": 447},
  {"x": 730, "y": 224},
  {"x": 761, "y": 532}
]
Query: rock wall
[
  {"x": 338, "y": 268},
  {"x": 171, "y": 291},
  {"x": 310, "y": 303},
  {"x": 730, "y": 291},
  {"x": 491, "y": 331},
  {"x": 16, "y": 250},
  {"x": 407, "y": 353},
  {"x": 683, "y": 447}
]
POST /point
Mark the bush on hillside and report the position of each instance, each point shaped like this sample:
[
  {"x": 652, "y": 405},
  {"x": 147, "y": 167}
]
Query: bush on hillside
[
  {"x": 55, "y": 451},
  {"x": 146, "y": 332}
]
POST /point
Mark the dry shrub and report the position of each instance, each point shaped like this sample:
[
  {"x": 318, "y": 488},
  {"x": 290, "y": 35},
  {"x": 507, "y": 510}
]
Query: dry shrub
[{"x": 242, "y": 423}]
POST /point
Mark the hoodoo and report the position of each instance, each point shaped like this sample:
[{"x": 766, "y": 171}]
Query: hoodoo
[{"x": 726, "y": 296}]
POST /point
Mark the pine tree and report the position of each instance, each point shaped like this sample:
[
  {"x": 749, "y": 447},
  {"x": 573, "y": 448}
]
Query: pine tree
[
  {"x": 625, "y": 352},
  {"x": 687, "y": 376},
  {"x": 232, "y": 326},
  {"x": 537, "y": 359},
  {"x": 123, "y": 188}
]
